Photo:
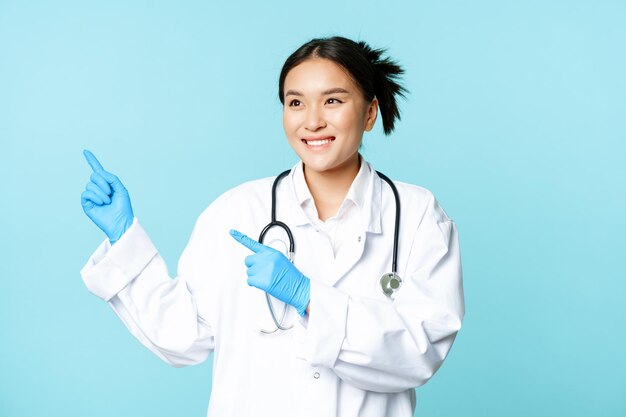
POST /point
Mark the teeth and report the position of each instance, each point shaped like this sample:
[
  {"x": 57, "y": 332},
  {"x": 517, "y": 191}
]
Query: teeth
[{"x": 318, "y": 142}]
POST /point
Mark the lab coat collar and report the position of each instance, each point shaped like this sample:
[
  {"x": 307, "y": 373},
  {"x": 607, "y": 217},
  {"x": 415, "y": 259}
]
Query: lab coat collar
[
  {"x": 364, "y": 193},
  {"x": 359, "y": 186}
]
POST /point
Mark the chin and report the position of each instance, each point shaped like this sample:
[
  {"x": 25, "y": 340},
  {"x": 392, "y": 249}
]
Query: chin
[{"x": 318, "y": 165}]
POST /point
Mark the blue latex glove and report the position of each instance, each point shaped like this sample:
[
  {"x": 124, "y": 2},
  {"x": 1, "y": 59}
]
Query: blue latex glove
[
  {"x": 269, "y": 270},
  {"x": 105, "y": 201}
]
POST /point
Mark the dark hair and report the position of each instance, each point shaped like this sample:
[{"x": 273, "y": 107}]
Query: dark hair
[{"x": 377, "y": 77}]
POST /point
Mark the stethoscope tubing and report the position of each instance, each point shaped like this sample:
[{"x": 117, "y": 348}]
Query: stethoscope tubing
[
  {"x": 396, "y": 229},
  {"x": 276, "y": 223}
]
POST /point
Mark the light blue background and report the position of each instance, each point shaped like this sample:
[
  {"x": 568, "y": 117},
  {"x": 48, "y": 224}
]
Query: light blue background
[{"x": 516, "y": 120}]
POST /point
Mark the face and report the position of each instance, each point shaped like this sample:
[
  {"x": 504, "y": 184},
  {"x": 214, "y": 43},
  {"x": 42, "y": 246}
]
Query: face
[{"x": 325, "y": 115}]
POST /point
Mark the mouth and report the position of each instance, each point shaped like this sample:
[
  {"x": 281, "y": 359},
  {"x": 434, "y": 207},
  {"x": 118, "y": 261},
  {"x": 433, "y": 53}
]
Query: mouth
[{"x": 318, "y": 142}]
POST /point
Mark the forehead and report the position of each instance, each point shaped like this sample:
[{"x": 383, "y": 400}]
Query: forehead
[{"x": 318, "y": 74}]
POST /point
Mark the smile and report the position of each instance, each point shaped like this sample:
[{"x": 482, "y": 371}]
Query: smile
[{"x": 318, "y": 142}]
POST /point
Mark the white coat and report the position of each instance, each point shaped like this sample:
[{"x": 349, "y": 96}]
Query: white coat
[{"x": 358, "y": 352}]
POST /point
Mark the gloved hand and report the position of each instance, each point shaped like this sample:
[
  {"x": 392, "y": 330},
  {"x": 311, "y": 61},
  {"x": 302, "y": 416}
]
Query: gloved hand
[
  {"x": 106, "y": 202},
  {"x": 269, "y": 270}
]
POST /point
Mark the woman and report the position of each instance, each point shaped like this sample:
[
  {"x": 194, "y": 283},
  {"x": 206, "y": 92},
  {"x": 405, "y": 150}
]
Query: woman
[{"x": 348, "y": 348}]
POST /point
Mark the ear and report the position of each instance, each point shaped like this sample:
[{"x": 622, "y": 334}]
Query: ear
[{"x": 372, "y": 112}]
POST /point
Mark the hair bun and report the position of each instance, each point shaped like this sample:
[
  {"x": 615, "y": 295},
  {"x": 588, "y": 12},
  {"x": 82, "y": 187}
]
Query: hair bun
[{"x": 386, "y": 85}]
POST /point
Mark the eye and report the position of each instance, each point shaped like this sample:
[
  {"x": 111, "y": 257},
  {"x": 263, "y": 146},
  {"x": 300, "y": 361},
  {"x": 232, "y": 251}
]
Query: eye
[
  {"x": 333, "y": 101},
  {"x": 294, "y": 103}
]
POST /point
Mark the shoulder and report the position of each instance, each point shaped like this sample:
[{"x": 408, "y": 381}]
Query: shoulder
[
  {"x": 232, "y": 203},
  {"x": 420, "y": 201},
  {"x": 425, "y": 220},
  {"x": 246, "y": 191}
]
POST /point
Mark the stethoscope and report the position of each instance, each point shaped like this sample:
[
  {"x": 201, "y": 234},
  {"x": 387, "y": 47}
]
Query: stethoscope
[{"x": 389, "y": 282}]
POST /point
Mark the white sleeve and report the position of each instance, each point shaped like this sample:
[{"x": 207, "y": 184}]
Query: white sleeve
[
  {"x": 385, "y": 346},
  {"x": 159, "y": 311}
]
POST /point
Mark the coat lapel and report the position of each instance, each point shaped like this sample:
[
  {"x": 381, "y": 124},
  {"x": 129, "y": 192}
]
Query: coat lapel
[{"x": 294, "y": 216}]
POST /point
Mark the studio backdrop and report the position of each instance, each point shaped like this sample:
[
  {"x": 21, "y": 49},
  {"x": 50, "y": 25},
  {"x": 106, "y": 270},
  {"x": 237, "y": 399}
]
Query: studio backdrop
[{"x": 516, "y": 120}]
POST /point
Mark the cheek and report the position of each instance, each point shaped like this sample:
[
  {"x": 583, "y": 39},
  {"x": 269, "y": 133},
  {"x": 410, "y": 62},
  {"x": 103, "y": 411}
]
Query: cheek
[
  {"x": 289, "y": 123},
  {"x": 347, "y": 120}
]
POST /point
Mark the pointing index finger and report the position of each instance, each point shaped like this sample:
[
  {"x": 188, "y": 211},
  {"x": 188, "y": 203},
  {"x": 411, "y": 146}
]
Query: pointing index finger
[
  {"x": 93, "y": 162},
  {"x": 249, "y": 243}
]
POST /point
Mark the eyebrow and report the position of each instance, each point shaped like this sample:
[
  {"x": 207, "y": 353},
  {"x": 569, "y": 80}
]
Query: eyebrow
[{"x": 336, "y": 90}]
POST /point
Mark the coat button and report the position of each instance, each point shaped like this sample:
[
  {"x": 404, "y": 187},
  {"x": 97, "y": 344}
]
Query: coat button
[
  {"x": 316, "y": 375},
  {"x": 358, "y": 239}
]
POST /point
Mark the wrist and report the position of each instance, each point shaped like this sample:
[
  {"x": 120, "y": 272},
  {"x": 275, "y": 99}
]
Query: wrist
[
  {"x": 304, "y": 296},
  {"x": 117, "y": 234}
]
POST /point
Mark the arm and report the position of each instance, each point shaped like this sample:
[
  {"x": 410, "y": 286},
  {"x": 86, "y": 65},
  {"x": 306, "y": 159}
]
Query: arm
[
  {"x": 159, "y": 311},
  {"x": 133, "y": 278},
  {"x": 385, "y": 346}
]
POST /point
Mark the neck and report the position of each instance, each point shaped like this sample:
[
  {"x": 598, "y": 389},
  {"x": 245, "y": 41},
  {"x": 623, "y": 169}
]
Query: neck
[{"x": 329, "y": 188}]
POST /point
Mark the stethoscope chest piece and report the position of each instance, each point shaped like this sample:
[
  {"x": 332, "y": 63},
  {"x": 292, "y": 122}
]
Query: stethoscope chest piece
[{"x": 390, "y": 283}]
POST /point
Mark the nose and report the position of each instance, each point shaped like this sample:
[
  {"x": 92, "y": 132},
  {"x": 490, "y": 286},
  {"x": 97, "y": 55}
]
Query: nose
[{"x": 314, "y": 119}]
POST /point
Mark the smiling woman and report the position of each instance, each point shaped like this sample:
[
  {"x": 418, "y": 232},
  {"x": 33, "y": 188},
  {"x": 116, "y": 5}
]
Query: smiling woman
[
  {"x": 333, "y": 88},
  {"x": 324, "y": 120},
  {"x": 343, "y": 346}
]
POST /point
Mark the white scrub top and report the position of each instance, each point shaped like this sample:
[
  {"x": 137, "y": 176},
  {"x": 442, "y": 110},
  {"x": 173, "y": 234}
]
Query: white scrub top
[{"x": 358, "y": 352}]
